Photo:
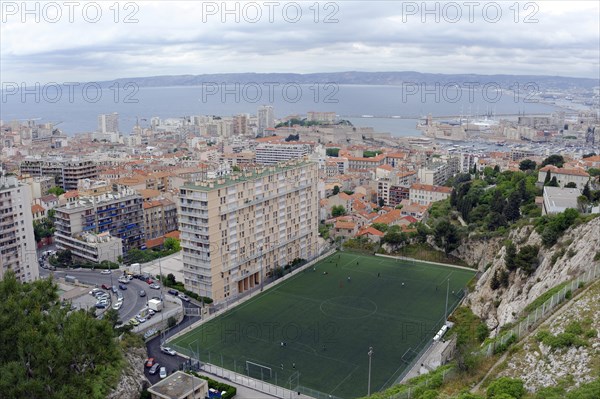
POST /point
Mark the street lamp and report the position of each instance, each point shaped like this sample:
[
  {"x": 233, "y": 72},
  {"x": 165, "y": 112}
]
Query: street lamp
[{"x": 370, "y": 353}]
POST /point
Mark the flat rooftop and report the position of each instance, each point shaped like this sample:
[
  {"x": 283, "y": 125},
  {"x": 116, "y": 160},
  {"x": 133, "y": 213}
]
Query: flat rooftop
[
  {"x": 558, "y": 197},
  {"x": 177, "y": 385},
  {"x": 246, "y": 175}
]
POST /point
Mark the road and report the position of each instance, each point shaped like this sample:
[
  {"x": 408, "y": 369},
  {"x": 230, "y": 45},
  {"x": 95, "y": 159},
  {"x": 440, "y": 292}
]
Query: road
[
  {"x": 132, "y": 302},
  {"x": 153, "y": 346}
]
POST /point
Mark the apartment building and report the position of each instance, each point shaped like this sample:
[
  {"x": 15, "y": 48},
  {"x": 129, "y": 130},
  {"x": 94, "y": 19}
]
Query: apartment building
[
  {"x": 98, "y": 210},
  {"x": 17, "y": 242},
  {"x": 266, "y": 119},
  {"x": 235, "y": 230},
  {"x": 272, "y": 153},
  {"x": 434, "y": 174},
  {"x": 67, "y": 172},
  {"x": 93, "y": 247},
  {"x": 425, "y": 194},
  {"x": 160, "y": 217}
]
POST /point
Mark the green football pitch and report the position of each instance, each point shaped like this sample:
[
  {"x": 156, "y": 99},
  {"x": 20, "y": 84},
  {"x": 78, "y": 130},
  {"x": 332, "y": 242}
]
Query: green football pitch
[{"x": 314, "y": 330}]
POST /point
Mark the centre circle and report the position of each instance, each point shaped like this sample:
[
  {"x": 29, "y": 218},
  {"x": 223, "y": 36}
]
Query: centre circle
[{"x": 348, "y": 307}]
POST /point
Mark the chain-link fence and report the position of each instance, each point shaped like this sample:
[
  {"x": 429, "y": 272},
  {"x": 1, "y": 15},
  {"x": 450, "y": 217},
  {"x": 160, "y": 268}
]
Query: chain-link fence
[
  {"x": 428, "y": 381},
  {"x": 541, "y": 312}
]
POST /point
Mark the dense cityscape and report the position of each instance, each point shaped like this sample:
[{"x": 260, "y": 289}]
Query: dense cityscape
[{"x": 285, "y": 251}]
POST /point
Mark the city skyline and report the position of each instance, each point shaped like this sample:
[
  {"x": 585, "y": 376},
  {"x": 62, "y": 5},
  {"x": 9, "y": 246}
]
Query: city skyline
[{"x": 540, "y": 38}]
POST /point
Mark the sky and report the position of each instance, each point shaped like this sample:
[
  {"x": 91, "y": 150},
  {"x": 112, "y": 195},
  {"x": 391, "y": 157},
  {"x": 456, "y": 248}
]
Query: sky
[{"x": 94, "y": 41}]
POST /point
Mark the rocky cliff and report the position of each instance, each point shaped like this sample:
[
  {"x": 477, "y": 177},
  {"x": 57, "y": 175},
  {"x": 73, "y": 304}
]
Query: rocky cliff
[
  {"x": 573, "y": 253},
  {"x": 132, "y": 379}
]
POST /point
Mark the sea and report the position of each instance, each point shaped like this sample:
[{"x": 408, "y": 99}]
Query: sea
[{"x": 391, "y": 109}]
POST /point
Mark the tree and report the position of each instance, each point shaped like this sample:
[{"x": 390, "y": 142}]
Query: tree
[
  {"x": 495, "y": 281},
  {"x": 527, "y": 164},
  {"x": 587, "y": 192},
  {"x": 64, "y": 257},
  {"x": 556, "y": 160},
  {"x": 547, "y": 178},
  {"x": 170, "y": 281},
  {"x": 582, "y": 203},
  {"x": 553, "y": 182},
  {"x": 446, "y": 236},
  {"x": 56, "y": 191},
  {"x": 527, "y": 259},
  {"x": 338, "y": 210},
  {"x": 571, "y": 185},
  {"x": 594, "y": 172},
  {"x": 381, "y": 202},
  {"x": 49, "y": 351},
  {"x": 172, "y": 245},
  {"x": 336, "y": 190},
  {"x": 112, "y": 316},
  {"x": 510, "y": 256},
  {"x": 512, "y": 212},
  {"x": 332, "y": 152},
  {"x": 380, "y": 226}
]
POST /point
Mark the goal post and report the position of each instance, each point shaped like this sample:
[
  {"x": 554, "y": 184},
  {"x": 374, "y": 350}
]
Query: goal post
[{"x": 257, "y": 370}]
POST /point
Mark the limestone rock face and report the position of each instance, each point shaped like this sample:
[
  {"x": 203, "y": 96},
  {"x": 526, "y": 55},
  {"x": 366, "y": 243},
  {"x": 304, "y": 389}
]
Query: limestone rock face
[
  {"x": 132, "y": 378},
  {"x": 504, "y": 305}
]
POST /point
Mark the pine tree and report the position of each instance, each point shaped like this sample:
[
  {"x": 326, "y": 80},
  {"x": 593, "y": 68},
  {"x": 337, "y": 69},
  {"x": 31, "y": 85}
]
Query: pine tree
[
  {"x": 587, "y": 192},
  {"x": 495, "y": 282},
  {"x": 547, "y": 179},
  {"x": 553, "y": 182}
]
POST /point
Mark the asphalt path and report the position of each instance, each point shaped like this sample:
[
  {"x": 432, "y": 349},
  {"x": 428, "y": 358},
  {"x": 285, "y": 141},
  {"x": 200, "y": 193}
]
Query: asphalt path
[{"x": 172, "y": 363}]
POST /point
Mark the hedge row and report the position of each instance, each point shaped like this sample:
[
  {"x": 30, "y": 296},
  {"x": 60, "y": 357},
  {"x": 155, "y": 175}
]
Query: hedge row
[{"x": 219, "y": 386}]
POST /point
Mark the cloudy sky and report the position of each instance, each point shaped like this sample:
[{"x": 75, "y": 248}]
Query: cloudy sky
[{"x": 96, "y": 41}]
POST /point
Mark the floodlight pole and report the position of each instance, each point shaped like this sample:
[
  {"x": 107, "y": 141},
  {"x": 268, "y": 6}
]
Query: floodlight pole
[
  {"x": 370, "y": 353},
  {"x": 446, "y": 311}
]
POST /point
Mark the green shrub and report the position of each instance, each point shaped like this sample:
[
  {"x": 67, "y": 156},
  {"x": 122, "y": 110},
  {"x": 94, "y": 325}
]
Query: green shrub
[
  {"x": 219, "y": 386},
  {"x": 503, "y": 347},
  {"x": 574, "y": 328},
  {"x": 506, "y": 386},
  {"x": 591, "y": 333}
]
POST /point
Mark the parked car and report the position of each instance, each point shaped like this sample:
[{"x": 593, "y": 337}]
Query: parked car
[
  {"x": 134, "y": 322},
  {"x": 117, "y": 305},
  {"x": 124, "y": 280},
  {"x": 114, "y": 289},
  {"x": 168, "y": 351},
  {"x": 140, "y": 319},
  {"x": 184, "y": 297},
  {"x": 163, "y": 372},
  {"x": 154, "y": 368},
  {"x": 123, "y": 287},
  {"x": 100, "y": 305},
  {"x": 150, "y": 362},
  {"x": 173, "y": 292},
  {"x": 105, "y": 271},
  {"x": 106, "y": 287},
  {"x": 95, "y": 291},
  {"x": 155, "y": 286},
  {"x": 142, "y": 293},
  {"x": 150, "y": 281}
]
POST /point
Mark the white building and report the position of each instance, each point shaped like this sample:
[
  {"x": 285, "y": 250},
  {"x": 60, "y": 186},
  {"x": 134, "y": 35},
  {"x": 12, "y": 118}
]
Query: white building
[
  {"x": 108, "y": 123},
  {"x": 272, "y": 153},
  {"x": 558, "y": 199},
  {"x": 564, "y": 176},
  {"x": 425, "y": 194},
  {"x": 266, "y": 119},
  {"x": 17, "y": 242}
]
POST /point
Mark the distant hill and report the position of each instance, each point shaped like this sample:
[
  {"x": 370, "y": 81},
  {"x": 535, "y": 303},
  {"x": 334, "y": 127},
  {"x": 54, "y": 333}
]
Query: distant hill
[{"x": 363, "y": 78}]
